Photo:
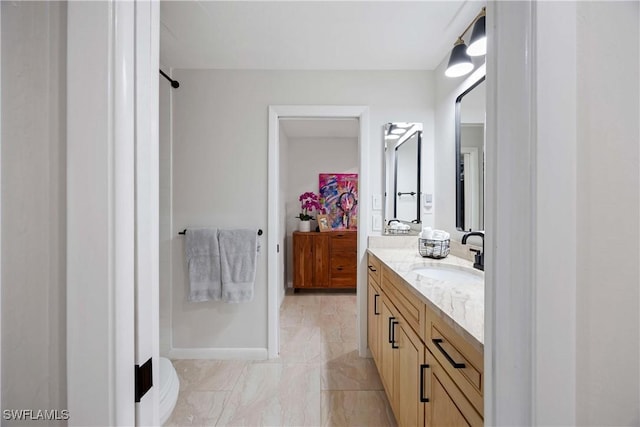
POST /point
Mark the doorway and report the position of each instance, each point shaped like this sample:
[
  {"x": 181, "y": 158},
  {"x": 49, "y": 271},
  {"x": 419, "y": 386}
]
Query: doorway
[{"x": 276, "y": 208}]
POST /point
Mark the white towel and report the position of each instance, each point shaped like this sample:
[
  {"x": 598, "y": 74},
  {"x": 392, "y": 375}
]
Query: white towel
[
  {"x": 440, "y": 235},
  {"x": 238, "y": 257},
  {"x": 203, "y": 261}
]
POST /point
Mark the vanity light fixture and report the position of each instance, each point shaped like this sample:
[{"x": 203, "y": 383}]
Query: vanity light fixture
[
  {"x": 460, "y": 60},
  {"x": 478, "y": 41}
]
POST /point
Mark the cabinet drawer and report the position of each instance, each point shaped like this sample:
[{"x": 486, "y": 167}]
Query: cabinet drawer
[
  {"x": 344, "y": 270},
  {"x": 461, "y": 361},
  {"x": 345, "y": 261},
  {"x": 408, "y": 304},
  {"x": 341, "y": 241},
  {"x": 374, "y": 269}
]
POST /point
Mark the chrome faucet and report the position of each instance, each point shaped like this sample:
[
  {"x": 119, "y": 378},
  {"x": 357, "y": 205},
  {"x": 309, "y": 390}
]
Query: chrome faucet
[{"x": 479, "y": 257}]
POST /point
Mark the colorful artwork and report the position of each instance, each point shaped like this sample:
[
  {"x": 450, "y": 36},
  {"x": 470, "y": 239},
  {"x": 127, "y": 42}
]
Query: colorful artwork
[{"x": 339, "y": 197}]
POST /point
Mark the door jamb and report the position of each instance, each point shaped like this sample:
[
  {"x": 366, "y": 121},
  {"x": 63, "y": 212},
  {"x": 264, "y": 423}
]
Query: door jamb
[{"x": 276, "y": 112}]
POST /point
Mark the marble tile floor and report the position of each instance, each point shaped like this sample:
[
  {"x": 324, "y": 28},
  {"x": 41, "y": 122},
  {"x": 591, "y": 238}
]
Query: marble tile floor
[{"x": 318, "y": 380}]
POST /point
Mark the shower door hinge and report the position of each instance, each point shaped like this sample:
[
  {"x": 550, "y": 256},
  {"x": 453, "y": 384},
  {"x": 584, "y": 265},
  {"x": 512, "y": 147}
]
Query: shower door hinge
[{"x": 143, "y": 379}]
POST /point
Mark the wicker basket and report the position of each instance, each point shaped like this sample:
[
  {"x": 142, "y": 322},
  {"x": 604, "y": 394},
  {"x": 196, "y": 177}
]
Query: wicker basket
[{"x": 433, "y": 248}]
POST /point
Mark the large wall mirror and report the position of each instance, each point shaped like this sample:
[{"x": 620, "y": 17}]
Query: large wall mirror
[
  {"x": 470, "y": 142},
  {"x": 402, "y": 154}
]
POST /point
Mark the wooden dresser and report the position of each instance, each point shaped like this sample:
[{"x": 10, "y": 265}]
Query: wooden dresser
[{"x": 325, "y": 260}]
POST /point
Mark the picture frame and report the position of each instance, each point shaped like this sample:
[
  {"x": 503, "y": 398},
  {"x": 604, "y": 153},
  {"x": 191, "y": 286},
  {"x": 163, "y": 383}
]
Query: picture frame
[
  {"x": 323, "y": 223},
  {"x": 339, "y": 199}
]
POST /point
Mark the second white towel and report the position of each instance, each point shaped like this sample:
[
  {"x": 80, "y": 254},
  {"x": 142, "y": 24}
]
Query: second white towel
[{"x": 238, "y": 258}]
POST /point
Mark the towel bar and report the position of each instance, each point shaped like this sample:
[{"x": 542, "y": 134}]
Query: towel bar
[{"x": 183, "y": 232}]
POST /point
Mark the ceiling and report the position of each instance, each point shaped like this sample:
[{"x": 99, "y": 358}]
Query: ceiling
[
  {"x": 311, "y": 35},
  {"x": 320, "y": 128}
]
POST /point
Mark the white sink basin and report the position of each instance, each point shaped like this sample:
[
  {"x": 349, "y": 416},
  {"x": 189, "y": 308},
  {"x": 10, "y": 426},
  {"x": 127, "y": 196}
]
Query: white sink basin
[{"x": 450, "y": 273}]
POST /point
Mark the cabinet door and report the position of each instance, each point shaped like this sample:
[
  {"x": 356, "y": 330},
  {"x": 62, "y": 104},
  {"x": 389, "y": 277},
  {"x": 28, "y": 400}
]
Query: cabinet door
[
  {"x": 448, "y": 406},
  {"x": 445, "y": 412},
  {"x": 411, "y": 371},
  {"x": 321, "y": 261},
  {"x": 303, "y": 264},
  {"x": 374, "y": 315}
]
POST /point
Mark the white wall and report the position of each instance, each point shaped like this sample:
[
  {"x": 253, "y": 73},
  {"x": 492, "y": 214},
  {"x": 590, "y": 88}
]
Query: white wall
[
  {"x": 587, "y": 159},
  {"x": 308, "y": 157},
  {"x": 33, "y": 205},
  {"x": 219, "y": 162},
  {"x": 563, "y": 330},
  {"x": 608, "y": 211}
]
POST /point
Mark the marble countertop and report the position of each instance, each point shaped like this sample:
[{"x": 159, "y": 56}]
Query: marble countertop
[{"x": 459, "y": 303}]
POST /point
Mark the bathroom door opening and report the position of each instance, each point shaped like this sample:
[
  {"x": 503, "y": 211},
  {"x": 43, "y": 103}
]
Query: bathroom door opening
[
  {"x": 311, "y": 151},
  {"x": 276, "y": 211}
]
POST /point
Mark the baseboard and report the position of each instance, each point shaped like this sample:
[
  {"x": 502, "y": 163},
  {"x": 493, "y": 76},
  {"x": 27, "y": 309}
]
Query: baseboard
[{"x": 219, "y": 353}]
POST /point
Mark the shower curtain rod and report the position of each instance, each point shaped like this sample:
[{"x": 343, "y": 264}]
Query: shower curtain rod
[{"x": 174, "y": 83}]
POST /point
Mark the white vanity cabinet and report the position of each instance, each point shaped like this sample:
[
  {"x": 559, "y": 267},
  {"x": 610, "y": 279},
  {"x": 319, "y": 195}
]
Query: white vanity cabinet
[{"x": 431, "y": 374}]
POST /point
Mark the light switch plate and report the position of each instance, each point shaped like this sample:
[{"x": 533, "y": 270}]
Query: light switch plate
[
  {"x": 377, "y": 222},
  {"x": 377, "y": 202}
]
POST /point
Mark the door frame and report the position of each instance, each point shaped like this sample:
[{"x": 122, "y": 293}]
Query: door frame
[
  {"x": 111, "y": 48},
  {"x": 276, "y": 112},
  {"x": 530, "y": 297}
]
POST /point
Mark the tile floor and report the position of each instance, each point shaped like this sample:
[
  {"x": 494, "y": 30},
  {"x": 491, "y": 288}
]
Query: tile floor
[{"x": 319, "y": 380}]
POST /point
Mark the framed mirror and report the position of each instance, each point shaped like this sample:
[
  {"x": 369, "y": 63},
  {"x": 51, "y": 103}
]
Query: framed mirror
[
  {"x": 470, "y": 142},
  {"x": 402, "y": 154}
]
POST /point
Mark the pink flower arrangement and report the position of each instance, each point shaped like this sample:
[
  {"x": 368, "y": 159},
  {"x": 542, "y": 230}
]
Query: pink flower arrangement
[{"x": 308, "y": 202}]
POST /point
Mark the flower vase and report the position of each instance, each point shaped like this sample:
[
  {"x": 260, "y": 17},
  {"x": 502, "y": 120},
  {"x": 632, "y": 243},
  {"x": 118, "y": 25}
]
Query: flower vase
[{"x": 304, "y": 226}]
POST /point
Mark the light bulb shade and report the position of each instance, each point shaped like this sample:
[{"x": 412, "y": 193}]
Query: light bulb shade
[
  {"x": 478, "y": 41},
  {"x": 459, "y": 62}
]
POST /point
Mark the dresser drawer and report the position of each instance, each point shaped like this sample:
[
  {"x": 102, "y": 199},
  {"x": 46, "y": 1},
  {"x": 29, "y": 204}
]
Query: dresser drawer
[
  {"x": 344, "y": 241},
  {"x": 343, "y": 264}
]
